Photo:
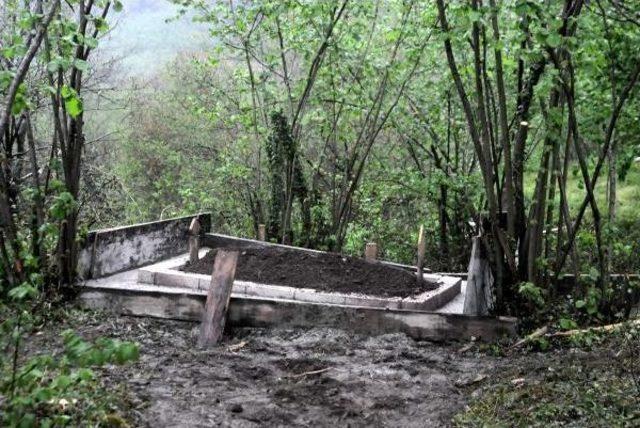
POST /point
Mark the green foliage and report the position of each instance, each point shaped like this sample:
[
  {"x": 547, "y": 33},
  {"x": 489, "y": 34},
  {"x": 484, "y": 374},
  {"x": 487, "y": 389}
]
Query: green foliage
[
  {"x": 72, "y": 101},
  {"x": 62, "y": 390},
  {"x": 567, "y": 324},
  {"x": 532, "y": 293},
  {"x": 62, "y": 205},
  {"x": 53, "y": 389},
  {"x": 570, "y": 397}
]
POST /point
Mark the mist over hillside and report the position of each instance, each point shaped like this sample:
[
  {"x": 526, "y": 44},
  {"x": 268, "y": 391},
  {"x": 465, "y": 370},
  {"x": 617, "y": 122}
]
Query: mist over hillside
[{"x": 147, "y": 34}]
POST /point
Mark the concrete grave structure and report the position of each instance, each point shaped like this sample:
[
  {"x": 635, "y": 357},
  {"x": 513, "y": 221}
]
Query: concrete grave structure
[{"x": 133, "y": 270}]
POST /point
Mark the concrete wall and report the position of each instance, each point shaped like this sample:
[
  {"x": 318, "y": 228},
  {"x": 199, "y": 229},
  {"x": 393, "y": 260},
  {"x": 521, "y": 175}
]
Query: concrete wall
[{"x": 108, "y": 251}]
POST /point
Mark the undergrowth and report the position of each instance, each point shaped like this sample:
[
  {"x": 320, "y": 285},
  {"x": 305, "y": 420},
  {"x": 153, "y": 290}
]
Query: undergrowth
[
  {"x": 586, "y": 379},
  {"x": 59, "y": 388}
]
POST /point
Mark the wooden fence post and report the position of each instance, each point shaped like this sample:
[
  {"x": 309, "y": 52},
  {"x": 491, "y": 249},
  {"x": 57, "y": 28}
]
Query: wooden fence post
[
  {"x": 215, "y": 310},
  {"x": 371, "y": 251},
  {"x": 194, "y": 240},
  {"x": 421, "y": 251},
  {"x": 262, "y": 232}
]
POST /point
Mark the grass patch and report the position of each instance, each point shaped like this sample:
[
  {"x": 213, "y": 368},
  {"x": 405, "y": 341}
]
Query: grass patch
[{"x": 628, "y": 192}]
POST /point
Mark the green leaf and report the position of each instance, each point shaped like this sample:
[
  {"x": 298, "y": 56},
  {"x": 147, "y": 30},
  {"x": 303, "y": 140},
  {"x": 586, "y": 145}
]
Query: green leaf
[
  {"x": 91, "y": 42},
  {"x": 8, "y": 52},
  {"x": 74, "y": 107},
  {"x": 62, "y": 205},
  {"x": 23, "y": 291},
  {"x": 126, "y": 352},
  {"x": 567, "y": 324},
  {"x": 72, "y": 102},
  {"x": 101, "y": 25},
  {"x": 554, "y": 40},
  {"x": 19, "y": 104},
  {"x": 81, "y": 65}
]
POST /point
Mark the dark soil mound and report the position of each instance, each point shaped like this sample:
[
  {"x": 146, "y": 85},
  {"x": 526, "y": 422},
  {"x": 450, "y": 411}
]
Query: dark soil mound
[{"x": 320, "y": 271}]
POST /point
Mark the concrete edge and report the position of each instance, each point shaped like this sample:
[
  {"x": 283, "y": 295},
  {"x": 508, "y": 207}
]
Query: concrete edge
[
  {"x": 166, "y": 274},
  {"x": 186, "y": 304}
]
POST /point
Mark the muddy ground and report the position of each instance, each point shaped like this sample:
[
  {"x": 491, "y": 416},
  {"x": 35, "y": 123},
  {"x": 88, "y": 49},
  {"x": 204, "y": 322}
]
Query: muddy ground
[
  {"x": 319, "y": 377},
  {"x": 321, "y": 271},
  {"x": 331, "y": 378}
]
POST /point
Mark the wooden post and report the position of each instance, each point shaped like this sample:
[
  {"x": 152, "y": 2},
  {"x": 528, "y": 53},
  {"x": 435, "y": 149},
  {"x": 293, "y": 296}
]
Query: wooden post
[
  {"x": 421, "y": 251},
  {"x": 194, "y": 240},
  {"x": 262, "y": 232},
  {"x": 215, "y": 310},
  {"x": 371, "y": 251}
]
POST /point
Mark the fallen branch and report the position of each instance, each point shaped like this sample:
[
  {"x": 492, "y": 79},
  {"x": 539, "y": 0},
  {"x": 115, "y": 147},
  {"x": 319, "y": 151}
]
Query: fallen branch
[
  {"x": 312, "y": 372},
  {"x": 604, "y": 328},
  {"x": 236, "y": 347},
  {"x": 539, "y": 332},
  {"x": 544, "y": 331}
]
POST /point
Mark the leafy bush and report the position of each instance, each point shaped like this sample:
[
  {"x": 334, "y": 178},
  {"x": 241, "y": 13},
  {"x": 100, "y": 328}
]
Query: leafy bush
[{"x": 55, "y": 389}]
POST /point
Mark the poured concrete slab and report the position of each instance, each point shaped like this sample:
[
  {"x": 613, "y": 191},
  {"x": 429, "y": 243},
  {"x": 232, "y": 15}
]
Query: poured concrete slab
[{"x": 166, "y": 274}]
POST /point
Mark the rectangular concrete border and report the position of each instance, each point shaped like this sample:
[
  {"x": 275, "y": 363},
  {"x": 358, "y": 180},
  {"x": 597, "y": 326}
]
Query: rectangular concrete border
[
  {"x": 166, "y": 274},
  {"x": 185, "y": 304}
]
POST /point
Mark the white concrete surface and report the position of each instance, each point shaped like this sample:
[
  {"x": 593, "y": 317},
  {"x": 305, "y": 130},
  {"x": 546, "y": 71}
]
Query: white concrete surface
[{"x": 456, "y": 305}]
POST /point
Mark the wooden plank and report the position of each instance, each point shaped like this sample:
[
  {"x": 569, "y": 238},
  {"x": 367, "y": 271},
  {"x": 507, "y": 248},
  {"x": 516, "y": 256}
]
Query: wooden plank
[
  {"x": 215, "y": 310},
  {"x": 194, "y": 240},
  {"x": 168, "y": 303},
  {"x": 421, "y": 251}
]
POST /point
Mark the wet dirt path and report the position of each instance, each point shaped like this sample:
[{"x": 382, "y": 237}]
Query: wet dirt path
[{"x": 319, "y": 377}]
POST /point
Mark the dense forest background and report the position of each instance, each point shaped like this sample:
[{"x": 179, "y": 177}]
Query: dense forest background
[
  {"x": 335, "y": 124},
  {"x": 380, "y": 137}
]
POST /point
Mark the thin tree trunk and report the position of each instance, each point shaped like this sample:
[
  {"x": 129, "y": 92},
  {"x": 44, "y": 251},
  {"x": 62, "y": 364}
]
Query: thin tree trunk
[{"x": 509, "y": 197}]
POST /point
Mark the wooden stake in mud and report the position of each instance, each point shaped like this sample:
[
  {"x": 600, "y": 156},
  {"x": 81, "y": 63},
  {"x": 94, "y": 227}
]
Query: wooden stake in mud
[
  {"x": 262, "y": 232},
  {"x": 421, "y": 251},
  {"x": 215, "y": 310},
  {"x": 371, "y": 251},
  {"x": 194, "y": 240}
]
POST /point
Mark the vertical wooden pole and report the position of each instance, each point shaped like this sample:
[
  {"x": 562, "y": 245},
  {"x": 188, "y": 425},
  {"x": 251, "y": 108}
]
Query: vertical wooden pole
[
  {"x": 421, "y": 251},
  {"x": 194, "y": 240},
  {"x": 215, "y": 310},
  {"x": 371, "y": 251},
  {"x": 262, "y": 232}
]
